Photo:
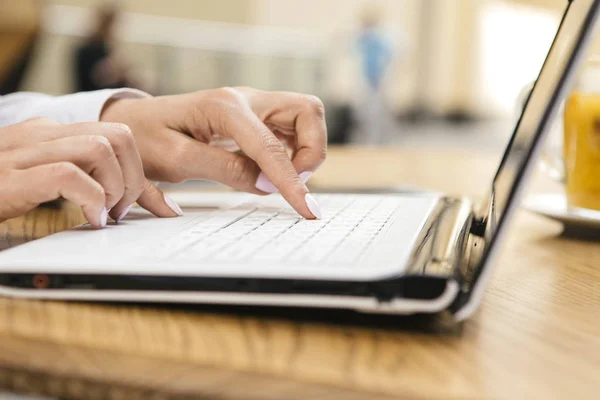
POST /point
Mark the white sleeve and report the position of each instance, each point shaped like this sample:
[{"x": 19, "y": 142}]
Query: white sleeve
[{"x": 78, "y": 107}]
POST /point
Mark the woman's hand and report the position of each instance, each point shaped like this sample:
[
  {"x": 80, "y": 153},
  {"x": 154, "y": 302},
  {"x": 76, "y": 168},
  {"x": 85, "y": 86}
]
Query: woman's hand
[
  {"x": 95, "y": 165},
  {"x": 174, "y": 133}
]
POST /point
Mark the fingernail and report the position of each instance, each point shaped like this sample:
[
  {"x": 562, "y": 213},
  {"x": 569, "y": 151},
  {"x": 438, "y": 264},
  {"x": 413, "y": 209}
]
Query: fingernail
[
  {"x": 305, "y": 176},
  {"x": 264, "y": 184},
  {"x": 313, "y": 206},
  {"x": 173, "y": 206},
  {"x": 103, "y": 217},
  {"x": 123, "y": 213}
]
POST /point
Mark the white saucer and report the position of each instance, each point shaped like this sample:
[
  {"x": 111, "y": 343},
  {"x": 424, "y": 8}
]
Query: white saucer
[{"x": 554, "y": 206}]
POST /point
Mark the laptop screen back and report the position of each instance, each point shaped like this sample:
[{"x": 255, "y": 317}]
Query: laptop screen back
[{"x": 550, "y": 88}]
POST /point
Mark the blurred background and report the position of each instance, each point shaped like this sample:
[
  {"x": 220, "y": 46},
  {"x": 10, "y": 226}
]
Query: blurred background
[{"x": 391, "y": 72}]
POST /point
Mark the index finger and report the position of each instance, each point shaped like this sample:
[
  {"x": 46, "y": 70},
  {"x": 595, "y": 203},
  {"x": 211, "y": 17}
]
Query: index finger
[{"x": 260, "y": 144}]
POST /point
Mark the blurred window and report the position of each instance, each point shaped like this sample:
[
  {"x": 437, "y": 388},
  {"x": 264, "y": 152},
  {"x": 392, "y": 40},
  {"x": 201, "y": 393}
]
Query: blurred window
[{"x": 515, "y": 40}]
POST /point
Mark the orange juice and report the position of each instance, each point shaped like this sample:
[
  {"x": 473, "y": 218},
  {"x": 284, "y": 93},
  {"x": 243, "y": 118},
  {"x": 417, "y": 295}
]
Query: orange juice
[{"x": 582, "y": 150}]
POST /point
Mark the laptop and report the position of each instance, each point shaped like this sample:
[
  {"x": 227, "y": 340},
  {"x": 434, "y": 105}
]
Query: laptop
[{"x": 373, "y": 253}]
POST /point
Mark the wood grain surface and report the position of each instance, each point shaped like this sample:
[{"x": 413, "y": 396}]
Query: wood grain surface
[{"x": 536, "y": 336}]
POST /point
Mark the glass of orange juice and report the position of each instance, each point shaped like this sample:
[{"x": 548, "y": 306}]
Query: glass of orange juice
[{"x": 581, "y": 148}]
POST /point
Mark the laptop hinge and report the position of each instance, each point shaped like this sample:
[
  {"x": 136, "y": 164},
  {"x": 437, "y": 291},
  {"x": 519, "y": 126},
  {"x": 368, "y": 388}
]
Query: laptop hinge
[
  {"x": 443, "y": 240},
  {"x": 475, "y": 246},
  {"x": 478, "y": 227}
]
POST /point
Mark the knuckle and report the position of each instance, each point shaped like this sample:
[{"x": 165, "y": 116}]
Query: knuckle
[
  {"x": 315, "y": 105},
  {"x": 100, "y": 146},
  {"x": 244, "y": 89},
  {"x": 229, "y": 93},
  {"x": 230, "y": 99},
  {"x": 41, "y": 121},
  {"x": 121, "y": 127},
  {"x": 121, "y": 136},
  {"x": 66, "y": 171}
]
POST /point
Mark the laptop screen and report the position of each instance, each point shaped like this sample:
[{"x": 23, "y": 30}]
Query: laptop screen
[
  {"x": 535, "y": 114},
  {"x": 544, "y": 100}
]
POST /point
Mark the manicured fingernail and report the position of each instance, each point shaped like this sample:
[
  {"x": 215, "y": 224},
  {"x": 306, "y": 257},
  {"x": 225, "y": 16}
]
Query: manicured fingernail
[
  {"x": 103, "y": 217},
  {"x": 305, "y": 176},
  {"x": 313, "y": 206},
  {"x": 123, "y": 213},
  {"x": 264, "y": 184},
  {"x": 173, "y": 206}
]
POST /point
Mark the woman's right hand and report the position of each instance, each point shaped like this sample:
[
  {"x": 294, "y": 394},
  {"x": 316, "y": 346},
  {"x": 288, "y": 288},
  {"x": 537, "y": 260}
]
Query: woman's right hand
[{"x": 95, "y": 165}]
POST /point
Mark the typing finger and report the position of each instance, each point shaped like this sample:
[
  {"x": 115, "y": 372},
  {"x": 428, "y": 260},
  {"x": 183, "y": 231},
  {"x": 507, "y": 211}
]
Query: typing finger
[
  {"x": 159, "y": 204},
  {"x": 122, "y": 142},
  {"x": 260, "y": 144},
  {"x": 93, "y": 154},
  {"x": 22, "y": 190}
]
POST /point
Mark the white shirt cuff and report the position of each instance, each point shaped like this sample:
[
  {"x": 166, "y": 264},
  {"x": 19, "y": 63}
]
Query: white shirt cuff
[
  {"x": 92, "y": 103},
  {"x": 77, "y": 107},
  {"x": 86, "y": 106}
]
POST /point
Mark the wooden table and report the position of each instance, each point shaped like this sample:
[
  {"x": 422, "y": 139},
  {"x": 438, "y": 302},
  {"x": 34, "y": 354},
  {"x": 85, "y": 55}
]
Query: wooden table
[{"x": 536, "y": 336}]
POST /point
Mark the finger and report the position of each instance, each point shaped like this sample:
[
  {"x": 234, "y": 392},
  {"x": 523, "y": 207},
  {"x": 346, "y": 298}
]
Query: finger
[
  {"x": 14, "y": 136},
  {"x": 158, "y": 203},
  {"x": 311, "y": 139},
  {"x": 40, "y": 122},
  {"x": 50, "y": 130},
  {"x": 124, "y": 147},
  {"x": 25, "y": 189},
  {"x": 93, "y": 154},
  {"x": 190, "y": 159},
  {"x": 260, "y": 144},
  {"x": 302, "y": 114},
  {"x": 130, "y": 160}
]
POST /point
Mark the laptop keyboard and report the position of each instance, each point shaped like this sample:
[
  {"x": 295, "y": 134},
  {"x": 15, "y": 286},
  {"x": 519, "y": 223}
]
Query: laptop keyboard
[{"x": 253, "y": 233}]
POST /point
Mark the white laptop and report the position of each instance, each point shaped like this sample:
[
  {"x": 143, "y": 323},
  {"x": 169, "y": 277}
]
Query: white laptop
[{"x": 385, "y": 253}]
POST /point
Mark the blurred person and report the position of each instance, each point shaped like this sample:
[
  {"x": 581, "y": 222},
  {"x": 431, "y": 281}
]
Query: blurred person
[
  {"x": 375, "y": 52},
  {"x": 100, "y": 149},
  {"x": 19, "y": 33},
  {"x": 96, "y": 66}
]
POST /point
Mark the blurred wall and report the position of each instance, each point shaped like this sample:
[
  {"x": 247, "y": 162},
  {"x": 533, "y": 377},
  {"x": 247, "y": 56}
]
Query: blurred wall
[
  {"x": 438, "y": 48},
  {"x": 334, "y": 24},
  {"x": 238, "y": 11},
  {"x": 339, "y": 22}
]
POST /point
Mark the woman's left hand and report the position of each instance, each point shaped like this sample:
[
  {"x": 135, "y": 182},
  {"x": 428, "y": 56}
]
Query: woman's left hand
[{"x": 173, "y": 135}]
